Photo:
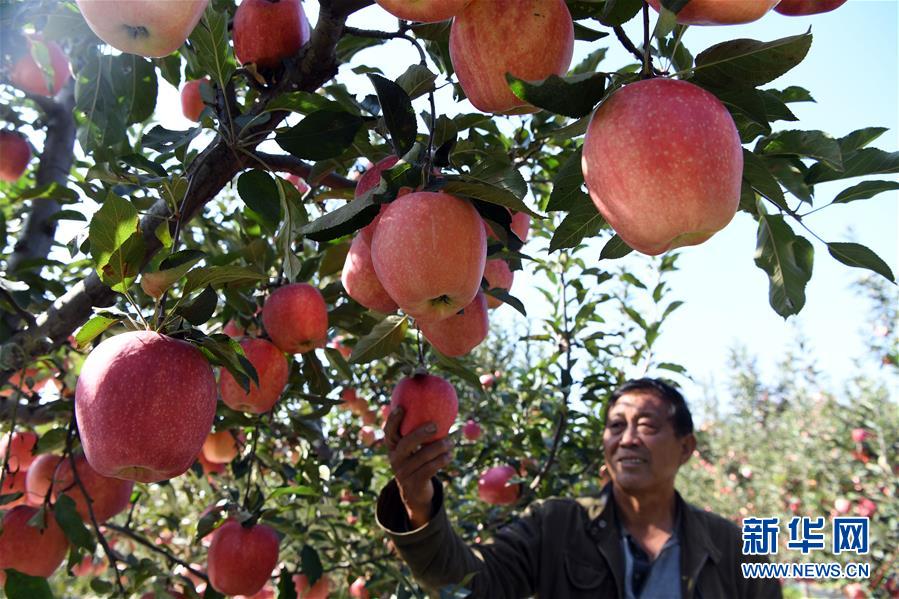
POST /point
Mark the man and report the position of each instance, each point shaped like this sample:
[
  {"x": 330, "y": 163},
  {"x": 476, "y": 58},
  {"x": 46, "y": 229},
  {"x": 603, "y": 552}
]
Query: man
[{"x": 637, "y": 540}]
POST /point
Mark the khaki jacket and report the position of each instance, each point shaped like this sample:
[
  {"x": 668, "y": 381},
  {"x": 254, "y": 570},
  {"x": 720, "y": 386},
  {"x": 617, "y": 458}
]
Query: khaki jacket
[{"x": 565, "y": 549}]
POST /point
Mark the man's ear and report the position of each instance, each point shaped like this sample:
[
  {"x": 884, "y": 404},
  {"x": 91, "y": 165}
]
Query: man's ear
[{"x": 688, "y": 446}]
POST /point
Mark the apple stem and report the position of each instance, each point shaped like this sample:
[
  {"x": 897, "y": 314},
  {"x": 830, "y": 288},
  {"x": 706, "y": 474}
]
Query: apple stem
[{"x": 646, "y": 73}]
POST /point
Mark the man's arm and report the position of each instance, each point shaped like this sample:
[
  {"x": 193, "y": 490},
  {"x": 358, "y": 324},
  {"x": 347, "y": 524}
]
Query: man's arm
[{"x": 411, "y": 510}]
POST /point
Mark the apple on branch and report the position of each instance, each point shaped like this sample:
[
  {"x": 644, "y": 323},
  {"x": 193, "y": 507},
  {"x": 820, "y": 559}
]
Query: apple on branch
[
  {"x": 241, "y": 558},
  {"x": 220, "y": 447},
  {"x": 296, "y": 318},
  {"x": 720, "y": 12},
  {"x": 108, "y": 496},
  {"x": 530, "y": 40},
  {"x": 15, "y": 154},
  {"x": 360, "y": 280},
  {"x": 800, "y": 8},
  {"x": 272, "y": 370},
  {"x": 429, "y": 251},
  {"x": 144, "y": 404},
  {"x": 462, "y": 332},
  {"x": 657, "y": 178},
  {"x": 425, "y": 398},
  {"x": 267, "y": 31},
  {"x": 494, "y": 487},
  {"x": 32, "y": 550},
  {"x": 192, "y": 105},
  {"x": 39, "y": 477},
  {"x": 498, "y": 276},
  {"x": 144, "y": 27},
  {"x": 33, "y": 77},
  {"x": 424, "y": 11}
]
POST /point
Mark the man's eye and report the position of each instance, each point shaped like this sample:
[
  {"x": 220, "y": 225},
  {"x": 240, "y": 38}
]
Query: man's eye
[{"x": 616, "y": 425}]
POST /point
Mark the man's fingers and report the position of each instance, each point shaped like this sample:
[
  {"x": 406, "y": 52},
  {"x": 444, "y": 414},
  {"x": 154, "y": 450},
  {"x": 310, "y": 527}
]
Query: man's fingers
[
  {"x": 430, "y": 468},
  {"x": 392, "y": 427},
  {"x": 405, "y": 467},
  {"x": 409, "y": 444}
]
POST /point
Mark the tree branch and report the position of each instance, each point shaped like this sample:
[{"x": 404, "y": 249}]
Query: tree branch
[
  {"x": 293, "y": 165},
  {"x": 142, "y": 541}
]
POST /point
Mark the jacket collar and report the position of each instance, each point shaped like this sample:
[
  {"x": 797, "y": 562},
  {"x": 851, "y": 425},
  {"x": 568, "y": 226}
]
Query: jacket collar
[{"x": 696, "y": 545}]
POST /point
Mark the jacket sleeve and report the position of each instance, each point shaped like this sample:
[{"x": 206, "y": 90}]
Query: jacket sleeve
[{"x": 438, "y": 557}]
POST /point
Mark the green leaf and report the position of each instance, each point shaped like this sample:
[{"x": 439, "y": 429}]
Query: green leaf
[
  {"x": 93, "y": 328},
  {"x": 338, "y": 362},
  {"x": 615, "y": 248},
  {"x": 385, "y": 338},
  {"x": 22, "y": 586},
  {"x": 486, "y": 192},
  {"x": 165, "y": 140},
  {"x": 301, "y": 490},
  {"x": 574, "y": 96},
  {"x": 864, "y": 191},
  {"x": 71, "y": 524},
  {"x": 787, "y": 258},
  {"x": 749, "y": 63},
  {"x": 134, "y": 83},
  {"x": 218, "y": 276},
  {"x": 567, "y": 184},
  {"x": 286, "y": 587},
  {"x": 811, "y": 144},
  {"x": 223, "y": 351},
  {"x": 350, "y": 217},
  {"x": 314, "y": 374},
  {"x": 757, "y": 175},
  {"x": 260, "y": 192},
  {"x": 503, "y": 296},
  {"x": 170, "y": 270},
  {"x": 117, "y": 246},
  {"x": 210, "y": 41},
  {"x": 581, "y": 222},
  {"x": 52, "y": 440},
  {"x": 867, "y": 161},
  {"x": 208, "y": 522},
  {"x": 458, "y": 368},
  {"x": 859, "y": 256},
  {"x": 619, "y": 12},
  {"x": 303, "y": 103},
  {"x": 417, "y": 81},
  {"x": 311, "y": 564},
  {"x": 201, "y": 309},
  {"x": 295, "y": 217},
  {"x": 322, "y": 135},
  {"x": 860, "y": 138},
  {"x": 399, "y": 117}
]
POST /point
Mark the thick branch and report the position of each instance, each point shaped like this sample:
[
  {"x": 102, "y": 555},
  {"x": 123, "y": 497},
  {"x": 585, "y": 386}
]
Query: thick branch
[
  {"x": 293, "y": 165},
  {"x": 214, "y": 168},
  {"x": 37, "y": 236}
]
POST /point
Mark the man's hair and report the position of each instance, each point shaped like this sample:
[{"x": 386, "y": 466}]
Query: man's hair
[{"x": 679, "y": 413}]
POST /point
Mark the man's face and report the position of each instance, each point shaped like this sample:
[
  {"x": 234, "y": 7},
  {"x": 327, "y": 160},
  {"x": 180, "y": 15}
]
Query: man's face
[{"x": 642, "y": 451}]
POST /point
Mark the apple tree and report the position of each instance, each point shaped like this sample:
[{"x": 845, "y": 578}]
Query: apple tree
[{"x": 322, "y": 231}]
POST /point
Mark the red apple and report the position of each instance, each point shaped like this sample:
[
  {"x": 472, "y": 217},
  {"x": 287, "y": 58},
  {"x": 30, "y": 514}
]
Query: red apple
[
  {"x": 429, "y": 251},
  {"x": 521, "y": 225},
  {"x": 859, "y": 435},
  {"x": 797, "y": 8},
  {"x": 192, "y": 105},
  {"x": 471, "y": 430},
  {"x": 462, "y": 332},
  {"x": 272, "y": 369},
  {"x": 37, "y": 481},
  {"x": 493, "y": 487},
  {"x": 31, "y": 550},
  {"x": 319, "y": 590},
  {"x": 499, "y": 276},
  {"x": 241, "y": 559},
  {"x": 296, "y": 318},
  {"x": 425, "y": 398},
  {"x": 487, "y": 380},
  {"x": 31, "y": 77},
  {"x": 144, "y": 404},
  {"x": 209, "y": 468},
  {"x": 721, "y": 12},
  {"x": 865, "y": 508},
  {"x": 143, "y": 27},
  {"x": 657, "y": 178},
  {"x": 423, "y": 11},
  {"x": 371, "y": 177},
  {"x": 369, "y": 417},
  {"x": 360, "y": 281},
  {"x": 15, "y": 481},
  {"x": 367, "y": 436},
  {"x": 357, "y": 589},
  {"x": 20, "y": 449},
  {"x": 842, "y": 505},
  {"x": 232, "y": 329},
  {"x": 109, "y": 496},
  {"x": 267, "y": 31},
  {"x": 531, "y": 40},
  {"x": 299, "y": 183},
  {"x": 15, "y": 154},
  {"x": 220, "y": 447}
]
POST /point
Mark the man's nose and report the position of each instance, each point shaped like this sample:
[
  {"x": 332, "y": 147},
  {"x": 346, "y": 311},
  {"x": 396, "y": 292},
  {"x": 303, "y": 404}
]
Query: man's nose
[{"x": 630, "y": 436}]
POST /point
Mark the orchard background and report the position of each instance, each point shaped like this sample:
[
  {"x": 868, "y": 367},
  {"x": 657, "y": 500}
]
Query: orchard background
[{"x": 120, "y": 219}]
